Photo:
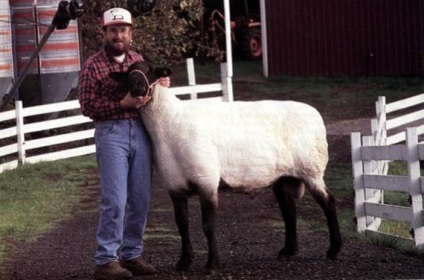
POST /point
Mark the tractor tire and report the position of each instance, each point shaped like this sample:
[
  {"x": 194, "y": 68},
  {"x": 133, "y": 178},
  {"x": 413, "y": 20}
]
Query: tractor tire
[{"x": 251, "y": 45}]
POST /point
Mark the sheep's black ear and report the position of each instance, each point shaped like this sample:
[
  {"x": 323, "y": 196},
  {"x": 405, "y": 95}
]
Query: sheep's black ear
[
  {"x": 119, "y": 76},
  {"x": 161, "y": 72}
]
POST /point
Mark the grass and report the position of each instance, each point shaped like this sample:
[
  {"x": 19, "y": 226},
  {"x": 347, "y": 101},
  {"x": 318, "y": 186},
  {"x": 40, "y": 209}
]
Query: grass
[
  {"x": 401, "y": 229},
  {"x": 162, "y": 233},
  {"x": 339, "y": 180},
  {"x": 33, "y": 198}
]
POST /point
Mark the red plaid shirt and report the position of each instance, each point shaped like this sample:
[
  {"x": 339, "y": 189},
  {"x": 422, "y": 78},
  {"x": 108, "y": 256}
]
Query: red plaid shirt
[{"x": 98, "y": 94}]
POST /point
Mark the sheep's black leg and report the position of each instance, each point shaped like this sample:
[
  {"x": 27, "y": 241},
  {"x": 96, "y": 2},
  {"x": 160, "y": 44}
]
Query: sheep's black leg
[
  {"x": 209, "y": 208},
  {"x": 288, "y": 210},
  {"x": 328, "y": 204},
  {"x": 181, "y": 219}
]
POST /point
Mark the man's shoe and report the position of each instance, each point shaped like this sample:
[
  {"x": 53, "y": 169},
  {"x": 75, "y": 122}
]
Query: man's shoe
[
  {"x": 138, "y": 266},
  {"x": 111, "y": 271}
]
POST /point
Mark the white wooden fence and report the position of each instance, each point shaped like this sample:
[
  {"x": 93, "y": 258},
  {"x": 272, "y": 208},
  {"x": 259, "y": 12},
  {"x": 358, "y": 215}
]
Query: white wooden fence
[
  {"x": 370, "y": 162},
  {"x": 22, "y": 142},
  {"x": 18, "y": 144}
]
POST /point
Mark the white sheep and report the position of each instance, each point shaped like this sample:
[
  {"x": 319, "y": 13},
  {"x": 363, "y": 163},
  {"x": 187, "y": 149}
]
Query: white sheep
[{"x": 248, "y": 146}]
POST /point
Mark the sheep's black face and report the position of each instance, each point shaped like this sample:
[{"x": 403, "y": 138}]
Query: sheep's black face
[
  {"x": 137, "y": 84},
  {"x": 140, "y": 77}
]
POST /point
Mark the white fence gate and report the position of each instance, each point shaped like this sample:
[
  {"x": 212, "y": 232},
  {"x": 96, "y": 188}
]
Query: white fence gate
[
  {"x": 370, "y": 162},
  {"x": 73, "y": 133}
]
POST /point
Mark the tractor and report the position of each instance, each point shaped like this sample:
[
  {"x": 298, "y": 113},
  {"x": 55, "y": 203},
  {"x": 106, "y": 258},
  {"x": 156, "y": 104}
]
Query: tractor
[{"x": 245, "y": 27}]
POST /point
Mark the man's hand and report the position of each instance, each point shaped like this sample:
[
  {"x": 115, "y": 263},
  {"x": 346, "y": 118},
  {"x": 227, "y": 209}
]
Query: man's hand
[
  {"x": 134, "y": 102},
  {"x": 165, "y": 81}
]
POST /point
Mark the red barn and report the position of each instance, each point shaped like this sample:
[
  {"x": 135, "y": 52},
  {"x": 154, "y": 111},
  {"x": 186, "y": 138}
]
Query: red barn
[{"x": 343, "y": 37}]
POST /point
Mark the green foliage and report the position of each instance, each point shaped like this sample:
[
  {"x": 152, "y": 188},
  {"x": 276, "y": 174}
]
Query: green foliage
[
  {"x": 166, "y": 35},
  {"x": 170, "y": 32}
]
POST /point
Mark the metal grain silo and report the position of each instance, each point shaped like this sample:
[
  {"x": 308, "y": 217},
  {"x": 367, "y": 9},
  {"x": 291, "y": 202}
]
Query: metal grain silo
[
  {"x": 6, "y": 53},
  {"x": 55, "y": 70},
  {"x": 59, "y": 59}
]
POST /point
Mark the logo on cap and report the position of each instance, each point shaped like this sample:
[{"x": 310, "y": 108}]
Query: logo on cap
[{"x": 117, "y": 16}]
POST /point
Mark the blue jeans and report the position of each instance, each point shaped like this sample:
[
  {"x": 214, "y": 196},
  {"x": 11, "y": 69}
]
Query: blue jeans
[{"x": 124, "y": 159}]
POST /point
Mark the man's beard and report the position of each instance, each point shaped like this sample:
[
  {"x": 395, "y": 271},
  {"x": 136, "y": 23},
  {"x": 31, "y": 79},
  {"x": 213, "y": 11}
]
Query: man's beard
[{"x": 114, "y": 51}]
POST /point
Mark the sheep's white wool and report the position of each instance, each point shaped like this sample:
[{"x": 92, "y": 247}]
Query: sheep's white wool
[{"x": 248, "y": 145}]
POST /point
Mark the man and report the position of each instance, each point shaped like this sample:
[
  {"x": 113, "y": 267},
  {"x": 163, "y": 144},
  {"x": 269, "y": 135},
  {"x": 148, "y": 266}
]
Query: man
[{"x": 123, "y": 152}]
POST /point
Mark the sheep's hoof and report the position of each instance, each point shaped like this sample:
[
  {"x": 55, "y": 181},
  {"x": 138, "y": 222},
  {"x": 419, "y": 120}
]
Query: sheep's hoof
[
  {"x": 211, "y": 266},
  {"x": 286, "y": 253},
  {"x": 183, "y": 264},
  {"x": 210, "y": 271},
  {"x": 332, "y": 252}
]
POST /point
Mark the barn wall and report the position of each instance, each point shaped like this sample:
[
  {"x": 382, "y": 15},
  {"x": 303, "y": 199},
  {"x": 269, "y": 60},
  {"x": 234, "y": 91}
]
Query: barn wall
[{"x": 345, "y": 37}]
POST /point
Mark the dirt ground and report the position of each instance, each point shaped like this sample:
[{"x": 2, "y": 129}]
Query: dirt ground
[{"x": 249, "y": 233}]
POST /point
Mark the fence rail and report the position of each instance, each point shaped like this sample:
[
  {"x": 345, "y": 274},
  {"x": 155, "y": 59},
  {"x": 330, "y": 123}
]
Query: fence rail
[
  {"x": 390, "y": 118},
  {"x": 21, "y": 139},
  {"x": 390, "y": 141},
  {"x": 56, "y": 131}
]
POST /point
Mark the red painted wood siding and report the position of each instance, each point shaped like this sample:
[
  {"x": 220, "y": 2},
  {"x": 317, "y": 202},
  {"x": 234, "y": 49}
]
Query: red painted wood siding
[{"x": 345, "y": 37}]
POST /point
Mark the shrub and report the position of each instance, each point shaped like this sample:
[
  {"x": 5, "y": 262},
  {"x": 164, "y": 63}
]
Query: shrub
[{"x": 166, "y": 35}]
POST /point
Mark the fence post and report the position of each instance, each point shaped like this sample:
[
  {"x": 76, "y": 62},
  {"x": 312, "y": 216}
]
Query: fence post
[
  {"x": 415, "y": 186},
  {"x": 358, "y": 184},
  {"x": 191, "y": 76},
  {"x": 381, "y": 114},
  {"x": 372, "y": 167},
  {"x": 227, "y": 85},
  {"x": 382, "y": 165},
  {"x": 20, "y": 132},
  {"x": 382, "y": 118},
  {"x": 375, "y": 123}
]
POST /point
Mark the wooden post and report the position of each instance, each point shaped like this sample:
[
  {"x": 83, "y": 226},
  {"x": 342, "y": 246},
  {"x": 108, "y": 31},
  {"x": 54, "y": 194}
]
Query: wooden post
[
  {"x": 382, "y": 117},
  {"x": 358, "y": 184},
  {"x": 415, "y": 186},
  {"x": 191, "y": 76},
  {"x": 372, "y": 167},
  {"x": 20, "y": 132},
  {"x": 381, "y": 112},
  {"x": 227, "y": 84}
]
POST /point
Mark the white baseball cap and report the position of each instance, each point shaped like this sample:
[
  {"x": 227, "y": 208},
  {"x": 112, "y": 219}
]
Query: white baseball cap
[{"x": 116, "y": 16}]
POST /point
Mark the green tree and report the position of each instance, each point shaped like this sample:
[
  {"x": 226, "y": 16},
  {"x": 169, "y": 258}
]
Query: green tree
[{"x": 166, "y": 35}]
